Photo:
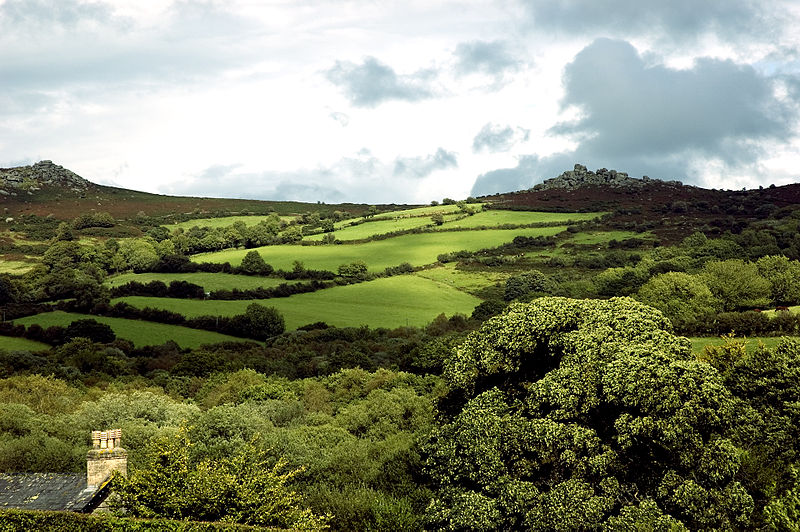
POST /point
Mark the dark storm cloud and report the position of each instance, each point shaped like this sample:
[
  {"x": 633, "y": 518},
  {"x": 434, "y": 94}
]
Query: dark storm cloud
[
  {"x": 656, "y": 121},
  {"x": 673, "y": 19},
  {"x": 496, "y": 138},
  {"x": 630, "y": 108},
  {"x": 423, "y": 166},
  {"x": 487, "y": 57},
  {"x": 372, "y": 83}
]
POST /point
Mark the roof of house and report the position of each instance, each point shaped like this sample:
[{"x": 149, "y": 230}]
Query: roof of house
[{"x": 50, "y": 491}]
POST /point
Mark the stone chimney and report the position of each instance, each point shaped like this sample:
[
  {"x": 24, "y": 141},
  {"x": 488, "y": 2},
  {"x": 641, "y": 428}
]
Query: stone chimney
[{"x": 105, "y": 456}]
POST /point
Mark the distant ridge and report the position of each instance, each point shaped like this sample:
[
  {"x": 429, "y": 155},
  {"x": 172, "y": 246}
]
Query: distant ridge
[{"x": 29, "y": 179}]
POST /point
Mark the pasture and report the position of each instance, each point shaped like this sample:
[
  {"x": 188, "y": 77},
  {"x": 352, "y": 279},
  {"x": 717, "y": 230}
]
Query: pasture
[
  {"x": 752, "y": 343},
  {"x": 139, "y": 332},
  {"x": 468, "y": 281},
  {"x": 495, "y": 218},
  {"x": 209, "y": 281},
  {"x": 11, "y": 343},
  {"x": 416, "y": 249},
  {"x": 223, "y": 221},
  {"x": 387, "y": 302},
  {"x": 378, "y": 227},
  {"x": 422, "y": 211}
]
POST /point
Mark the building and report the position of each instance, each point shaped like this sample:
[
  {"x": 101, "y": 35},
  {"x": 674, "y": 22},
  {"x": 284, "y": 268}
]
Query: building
[{"x": 69, "y": 492}]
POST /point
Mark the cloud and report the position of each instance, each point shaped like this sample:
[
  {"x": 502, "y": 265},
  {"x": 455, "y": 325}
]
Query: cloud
[
  {"x": 657, "y": 121},
  {"x": 358, "y": 178},
  {"x": 630, "y": 108},
  {"x": 493, "y": 58},
  {"x": 372, "y": 83},
  {"x": 424, "y": 166},
  {"x": 676, "y": 20},
  {"x": 507, "y": 179},
  {"x": 496, "y": 138},
  {"x": 64, "y": 13},
  {"x": 341, "y": 118}
]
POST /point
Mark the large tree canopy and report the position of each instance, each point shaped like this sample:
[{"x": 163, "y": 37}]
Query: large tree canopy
[{"x": 567, "y": 414}]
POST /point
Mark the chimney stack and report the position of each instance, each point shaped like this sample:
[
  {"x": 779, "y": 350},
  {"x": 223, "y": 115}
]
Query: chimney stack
[{"x": 105, "y": 456}]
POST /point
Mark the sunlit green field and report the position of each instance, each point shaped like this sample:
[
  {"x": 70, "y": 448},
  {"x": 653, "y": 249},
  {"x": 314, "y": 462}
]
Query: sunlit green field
[
  {"x": 772, "y": 312},
  {"x": 698, "y": 343},
  {"x": 495, "y": 218},
  {"x": 422, "y": 211},
  {"x": 10, "y": 343},
  {"x": 15, "y": 267},
  {"x": 378, "y": 227},
  {"x": 469, "y": 281},
  {"x": 223, "y": 221},
  {"x": 388, "y": 302},
  {"x": 209, "y": 281},
  {"x": 139, "y": 332},
  {"x": 417, "y": 249}
]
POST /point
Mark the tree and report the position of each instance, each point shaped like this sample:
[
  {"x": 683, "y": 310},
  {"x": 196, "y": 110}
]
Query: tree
[
  {"x": 355, "y": 270},
  {"x": 683, "y": 298},
  {"x": 529, "y": 282},
  {"x": 437, "y": 218},
  {"x": 91, "y": 329},
  {"x": 253, "y": 263},
  {"x": 784, "y": 276},
  {"x": 736, "y": 284},
  {"x": 246, "y": 487},
  {"x": 568, "y": 414},
  {"x": 264, "y": 321}
]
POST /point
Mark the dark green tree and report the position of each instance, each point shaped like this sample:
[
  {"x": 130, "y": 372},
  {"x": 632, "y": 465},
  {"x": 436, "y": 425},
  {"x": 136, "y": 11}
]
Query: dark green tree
[
  {"x": 254, "y": 264},
  {"x": 575, "y": 415}
]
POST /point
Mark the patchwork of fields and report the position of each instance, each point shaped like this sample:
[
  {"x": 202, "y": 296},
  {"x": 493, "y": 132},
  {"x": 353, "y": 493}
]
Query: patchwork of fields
[{"x": 416, "y": 249}]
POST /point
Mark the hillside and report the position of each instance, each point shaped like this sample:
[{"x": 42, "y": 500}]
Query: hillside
[{"x": 46, "y": 188}]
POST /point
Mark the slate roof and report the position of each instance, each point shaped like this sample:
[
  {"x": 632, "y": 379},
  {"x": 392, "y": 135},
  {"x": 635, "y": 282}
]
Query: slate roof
[{"x": 50, "y": 491}]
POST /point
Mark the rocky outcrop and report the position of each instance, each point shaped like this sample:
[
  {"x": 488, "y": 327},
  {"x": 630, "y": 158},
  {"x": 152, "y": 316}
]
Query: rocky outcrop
[
  {"x": 580, "y": 176},
  {"x": 28, "y": 179}
]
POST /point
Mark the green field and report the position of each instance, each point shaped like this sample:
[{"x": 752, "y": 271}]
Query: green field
[
  {"x": 698, "y": 343},
  {"x": 417, "y": 249},
  {"x": 422, "y": 211},
  {"x": 494, "y": 218},
  {"x": 772, "y": 312},
  {"x": 209, "y": 281},
  {"x": 468, "y": 281},
  {"x": 139, "y": 332},
  {"x": 378, "y": 227},
  {"x": 387, "y": 302},
  {"x": 15, "y": 267},
  {"x": 223, "y": 221},
  {"x": 11, "y": 343}
]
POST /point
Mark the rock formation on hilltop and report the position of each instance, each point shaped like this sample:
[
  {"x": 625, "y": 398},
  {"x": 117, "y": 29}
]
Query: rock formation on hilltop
[
  {"x": 29, "y": 179},
  {"x": 580, "y": 176}
]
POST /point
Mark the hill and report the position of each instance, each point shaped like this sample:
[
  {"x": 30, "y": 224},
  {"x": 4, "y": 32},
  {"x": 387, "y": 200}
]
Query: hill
[{"x": 48, "y": 189}]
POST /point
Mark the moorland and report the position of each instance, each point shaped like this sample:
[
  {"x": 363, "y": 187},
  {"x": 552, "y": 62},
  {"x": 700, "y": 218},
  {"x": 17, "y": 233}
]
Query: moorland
[{"x": 598, "y": 351}]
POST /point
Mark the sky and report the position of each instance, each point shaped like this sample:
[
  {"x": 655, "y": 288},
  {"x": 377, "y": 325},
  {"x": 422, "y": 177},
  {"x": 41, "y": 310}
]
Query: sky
[{"x": 374, "y": 101}]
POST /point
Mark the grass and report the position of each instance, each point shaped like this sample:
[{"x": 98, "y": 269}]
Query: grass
[
  {"x": 603, "y": 237},
  {"x": 11, "y": 343},
  {"x": 468, "y": 281},
  {"x": 772, "y": 312},
  {"x": 223, "y": 221},
  {"x": 421, "y": 211},
  {"x": 139, "y": 332},
  {"x": 698, "y": 343},
  {"x": 378, "y": 227},
  {"x": 417, "y": 249},
  {"x": 15, "y": 267},
  {"x": 209, "y": 281},
  {"x": 387, "y": 302},
  {"x": 494, "y": 218}
]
